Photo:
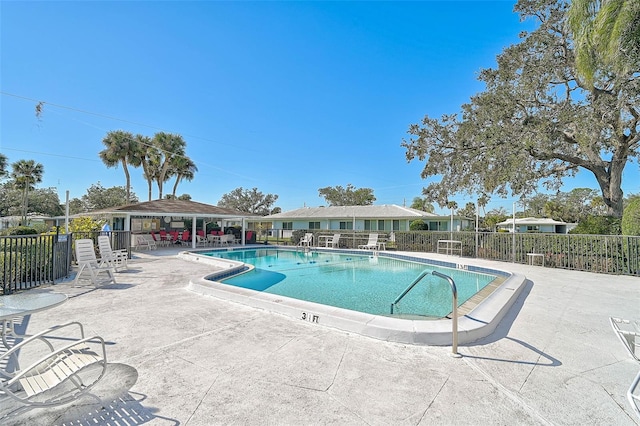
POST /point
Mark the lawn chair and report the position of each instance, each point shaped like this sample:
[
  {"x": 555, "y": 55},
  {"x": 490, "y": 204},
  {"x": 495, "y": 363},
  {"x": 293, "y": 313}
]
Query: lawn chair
[
  {"x": 372, "y": 244},
  {"x": 333, "y": 241},
  {"x": 86, "y": 258},
  {"x": 114, "y": 258},
  {"x": 201, "y": 241},
  {"x": 629, "y": 334},
  {"x": 70, "y": 366},
  {"x": 143, "y": 242},
  {"x": 306, "y": 241}
]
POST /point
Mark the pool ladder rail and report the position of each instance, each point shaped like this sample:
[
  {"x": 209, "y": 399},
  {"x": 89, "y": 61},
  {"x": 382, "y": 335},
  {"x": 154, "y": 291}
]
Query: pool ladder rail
[{"x": 454, "y": 315}]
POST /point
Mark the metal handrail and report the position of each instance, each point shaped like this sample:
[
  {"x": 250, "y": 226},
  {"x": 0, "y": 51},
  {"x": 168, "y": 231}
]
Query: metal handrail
[
  {"x": 454, "y": 291},
  {"x": 408, "y": 289},
  {"x": 454, "y": 324}
]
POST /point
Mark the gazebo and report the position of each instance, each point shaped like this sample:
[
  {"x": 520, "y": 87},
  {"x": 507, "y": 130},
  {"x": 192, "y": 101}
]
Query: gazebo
[{"x": 168, "y": 214}]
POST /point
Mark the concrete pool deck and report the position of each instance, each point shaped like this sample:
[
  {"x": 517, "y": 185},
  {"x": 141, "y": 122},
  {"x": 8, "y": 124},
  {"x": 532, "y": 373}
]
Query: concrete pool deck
[{"x": 553, "y": 359}]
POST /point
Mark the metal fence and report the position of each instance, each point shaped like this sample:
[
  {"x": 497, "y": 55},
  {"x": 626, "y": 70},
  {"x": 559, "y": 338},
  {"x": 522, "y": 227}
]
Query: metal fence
[
  {"x": 31, "y": 260},
  {"x": 610, "y": 254},
  {"x": 28, "y": 261}
]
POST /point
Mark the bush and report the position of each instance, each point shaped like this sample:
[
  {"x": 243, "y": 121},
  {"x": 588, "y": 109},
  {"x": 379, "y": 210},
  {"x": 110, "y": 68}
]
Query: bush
[
  {"x": 598, "y": 225},
  {"x": 22, "y": 230},
  {"x": 631, "y": 218},
  {"x": 418, "y": 225}
]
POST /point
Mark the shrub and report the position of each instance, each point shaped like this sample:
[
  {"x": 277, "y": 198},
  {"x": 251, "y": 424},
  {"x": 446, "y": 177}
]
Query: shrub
[
  {"x": 418, "y": 225},
  {"x": 598, "y": 225},
  {"x": 22, "y": 230},
  {"x": 631, "y": 218},
  {"x": 84, "y": 224}
]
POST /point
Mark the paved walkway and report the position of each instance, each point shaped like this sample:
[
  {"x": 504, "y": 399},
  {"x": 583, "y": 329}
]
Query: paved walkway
[{"x": 205, "y": 361}]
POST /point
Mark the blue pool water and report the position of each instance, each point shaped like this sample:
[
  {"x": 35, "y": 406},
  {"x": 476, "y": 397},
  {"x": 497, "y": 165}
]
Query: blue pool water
[{"x": 361, "y": 283}]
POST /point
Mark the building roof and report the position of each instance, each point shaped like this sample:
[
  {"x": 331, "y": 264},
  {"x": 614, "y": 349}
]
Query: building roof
[
  {"x": 387, "y": 211},
  {"x": 172, "y": 207},
  {"x": 532, "y": 221}
]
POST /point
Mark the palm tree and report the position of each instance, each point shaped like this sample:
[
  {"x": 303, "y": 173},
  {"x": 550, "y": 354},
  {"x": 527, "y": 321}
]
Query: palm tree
[
  {"x": 169, "y": 147},
  {"x": 3, "y": 165},
  {"x": 606, "y": 35},
  {"x": 144, "y": 157},
  {"x": 121, "y": 148},
  {"x": 422, "y": 203},
  {"x": 25, "y": 174},
  {"x": 183, "y": 168}
]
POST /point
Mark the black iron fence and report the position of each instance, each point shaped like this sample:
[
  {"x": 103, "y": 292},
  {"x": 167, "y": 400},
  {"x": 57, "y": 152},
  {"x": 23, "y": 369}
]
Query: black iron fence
[
  {"x": 610, "y": 254},
  {"x": 28, "y": 261}
]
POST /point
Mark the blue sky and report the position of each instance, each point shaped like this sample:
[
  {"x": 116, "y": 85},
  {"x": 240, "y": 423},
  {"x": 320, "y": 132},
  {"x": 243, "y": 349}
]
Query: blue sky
[{"x": 288, "y": 97}]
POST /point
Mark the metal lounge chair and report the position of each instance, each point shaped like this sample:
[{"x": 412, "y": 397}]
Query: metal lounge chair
[
  {"x": 372, "y": 244},
  {"x": 115, "y": 258},
  {"x": 60, "y": 367},
  {"x": 87, "y": 261}
]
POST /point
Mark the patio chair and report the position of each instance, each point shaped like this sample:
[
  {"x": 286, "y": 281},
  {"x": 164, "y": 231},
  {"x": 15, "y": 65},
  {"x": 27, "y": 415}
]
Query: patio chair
[
  {"x": 144, "y": 242},
  {"x": 115, "y": 258},
  {"x": 633, "y": 395},
  {"x": 372, "y": 244},
  {"x": 629, "y": 334},
  {"x": 87, "y": 261},
  {"x": 307, "y": 240},
  {"x": 186, "y": 237},
  {"x": 68, "y": 366},
  {"x": 201, "y": 241},
  {"x": 333, "y": 241}
]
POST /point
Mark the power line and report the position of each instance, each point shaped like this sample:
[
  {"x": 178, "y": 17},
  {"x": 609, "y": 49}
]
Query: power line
[{"x": 41, "y": 104}]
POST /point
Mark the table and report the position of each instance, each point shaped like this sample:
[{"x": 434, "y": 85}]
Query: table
[
  {"x": 450, "y": 246},
  {"x": 23, "y": 304},
  {"x": 532, "y": 257}
]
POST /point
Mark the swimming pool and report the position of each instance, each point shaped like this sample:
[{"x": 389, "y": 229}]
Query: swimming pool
[
  {"x": 361, "y": 283},
  {"x": 478, "y": 317}
]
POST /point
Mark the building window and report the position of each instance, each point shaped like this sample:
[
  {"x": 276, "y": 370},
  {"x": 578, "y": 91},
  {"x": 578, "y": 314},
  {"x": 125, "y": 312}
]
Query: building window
[
  {"x": 367, "y": 225},
  {"x": 346, "y": 225},
  {"x": 381, "y": 225},
  {"x": 396, "y": 225},
  {"x": 287, "y": 225},
  {"x": 314, "y": 225}
]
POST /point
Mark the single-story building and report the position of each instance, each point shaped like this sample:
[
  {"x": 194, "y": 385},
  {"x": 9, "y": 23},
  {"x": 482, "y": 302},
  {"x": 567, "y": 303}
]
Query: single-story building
[
  {"x": 13, "y": 221},
  {"x": 534, "y": 224},
  {"x": 389, "y": 217}
]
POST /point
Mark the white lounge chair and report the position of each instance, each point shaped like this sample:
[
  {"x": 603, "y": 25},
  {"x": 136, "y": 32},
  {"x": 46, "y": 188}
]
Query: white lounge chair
[
  {"x": 629, "y": 334},
  {"x": 87, "y": 261},
  {"x": 114, "y": 258},
  {"x": 144, "y": 242},
  {"x": 333, "y": 241},
  {"x": 633, "y": 395},
  {"x": 307, "y": 240},
  {"x": 372, "y": 244},
  {"x": 70, "y": 366}
]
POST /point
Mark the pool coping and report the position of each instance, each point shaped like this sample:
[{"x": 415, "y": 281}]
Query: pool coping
[{"x": 478, "y": 323}]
